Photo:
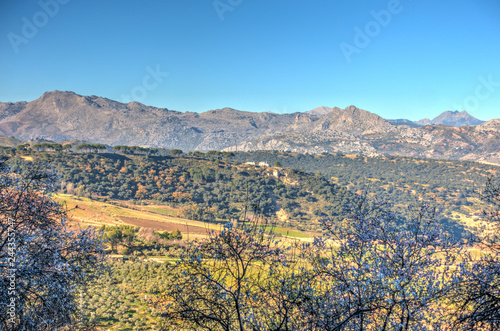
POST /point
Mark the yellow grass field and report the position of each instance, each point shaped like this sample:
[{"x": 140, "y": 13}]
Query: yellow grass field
[{"x": 87, "y": 212}]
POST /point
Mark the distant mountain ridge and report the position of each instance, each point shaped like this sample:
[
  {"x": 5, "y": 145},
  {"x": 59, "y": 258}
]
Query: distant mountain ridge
[
  {"x": 68, "y": 116},
  {"x": 452, "y": 118},
  {"x": 402, "y": 121}
]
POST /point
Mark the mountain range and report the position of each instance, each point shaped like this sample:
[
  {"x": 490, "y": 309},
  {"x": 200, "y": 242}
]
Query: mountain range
[{"x": 62, "y": 116}]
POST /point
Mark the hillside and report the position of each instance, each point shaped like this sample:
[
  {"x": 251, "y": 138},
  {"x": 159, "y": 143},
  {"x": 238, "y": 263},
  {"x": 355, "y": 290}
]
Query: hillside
[
  {"x": 202, "y": 189},
  {"x": 207, "y": 189},
  {"x": 10, "y": 141},
  {"x": 450, "y": 184}
]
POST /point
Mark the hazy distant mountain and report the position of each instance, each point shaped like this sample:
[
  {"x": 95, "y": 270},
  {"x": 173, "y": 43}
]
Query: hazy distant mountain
[
  {"x": 475, "y": 143},
  {"x": 68, "y": 116},
  {"x": 452, "y": 118},
  {"x": 402, "y": 121},
  {"x": 423, "y": 122},
  {"x": 320, "y": 111}
]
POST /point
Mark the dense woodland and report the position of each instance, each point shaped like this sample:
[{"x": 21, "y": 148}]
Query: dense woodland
[
  {"x": 452, "y": 185},
  {"x": 206, "y": 190},
  {"x": 217, "y": 186}
]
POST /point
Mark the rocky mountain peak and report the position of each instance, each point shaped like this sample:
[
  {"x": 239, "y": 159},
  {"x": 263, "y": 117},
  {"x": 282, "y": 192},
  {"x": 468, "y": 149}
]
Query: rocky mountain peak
[
  {"x": 452, "y": 118},
  {"x": 56, "y": 94}
]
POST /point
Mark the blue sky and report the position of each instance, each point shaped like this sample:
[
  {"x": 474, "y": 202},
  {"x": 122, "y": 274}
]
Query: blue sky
[{"x": 399, "y": 59}]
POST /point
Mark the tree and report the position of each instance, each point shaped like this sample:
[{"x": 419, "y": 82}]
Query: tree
[
  {"x": 23, "y": 147},
  {"x": 67, "y": 147},
  {"x": 239, "y": 279},
  {"x": 91, "y": 147},
  {"x": 228, "y": 155},
  {"x": 37, "y": 147},
  {"x": 42, "y": 261},
  {"x": 176, "y": 234},
  {"x": 120, "y": 148},
  {"x": 372, "y": 272},
  {"x": 198, "y": 154},
  {"x": 478, "y": 297},
  {"x": 214, "y": 153},
  {"x": 113, "y": 235},
  {"x": 176, "y": 152}
]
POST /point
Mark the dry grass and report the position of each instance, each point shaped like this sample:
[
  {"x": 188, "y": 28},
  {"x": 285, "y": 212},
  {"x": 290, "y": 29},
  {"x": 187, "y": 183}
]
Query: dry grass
[{"x": 85, "y": 212}]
